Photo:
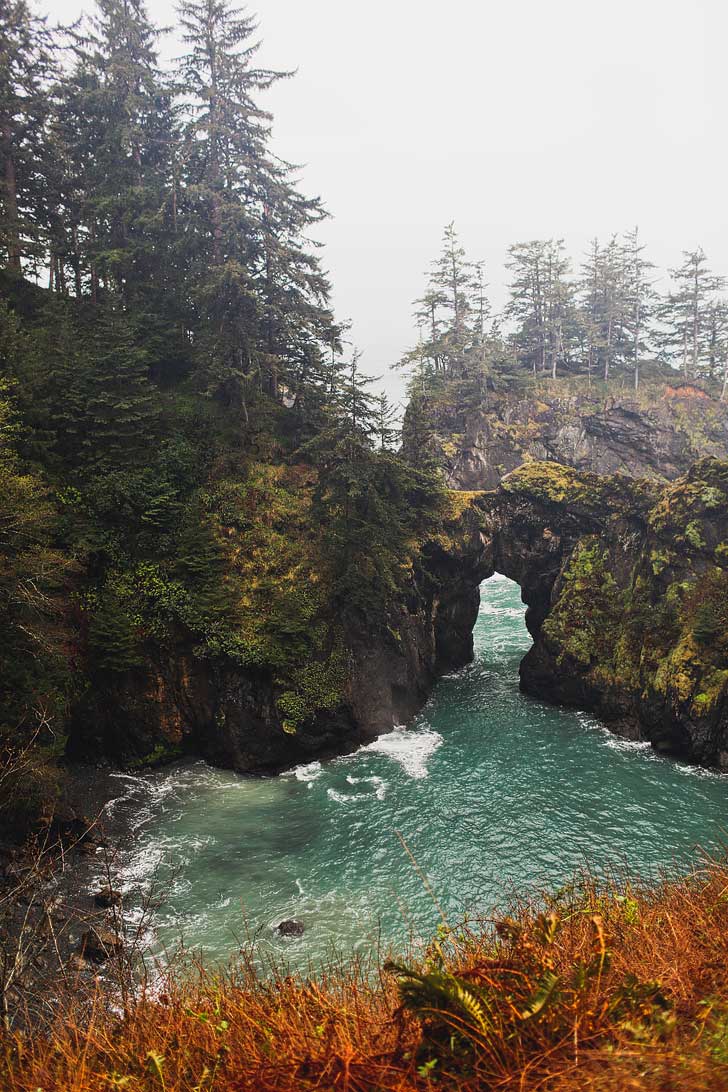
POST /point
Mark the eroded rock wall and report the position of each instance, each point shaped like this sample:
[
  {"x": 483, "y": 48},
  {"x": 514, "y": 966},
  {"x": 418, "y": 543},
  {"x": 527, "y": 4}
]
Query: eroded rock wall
[{"x": 656, "y": 435}]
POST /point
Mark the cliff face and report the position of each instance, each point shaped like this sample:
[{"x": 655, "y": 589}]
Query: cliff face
[
  {"x": 626, "y": 584},
  {"x": 656, "y": 435},
  {"x": 626, "y": 587}
]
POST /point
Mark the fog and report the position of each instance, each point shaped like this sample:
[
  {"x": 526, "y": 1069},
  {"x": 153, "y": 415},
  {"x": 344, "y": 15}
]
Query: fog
[{"x": 517, "y": 120}]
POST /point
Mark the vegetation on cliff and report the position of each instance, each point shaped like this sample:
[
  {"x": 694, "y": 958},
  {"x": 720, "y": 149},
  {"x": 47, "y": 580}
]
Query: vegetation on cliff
[
  {"x": 656, "y": 432},
  {"x": 605, "y": 323},
  {"x": 192, "y": 470},
  {"x": 637, "y": 622}
]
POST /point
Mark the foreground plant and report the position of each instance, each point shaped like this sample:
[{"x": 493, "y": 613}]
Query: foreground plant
[{"x": 601, "y": 986}]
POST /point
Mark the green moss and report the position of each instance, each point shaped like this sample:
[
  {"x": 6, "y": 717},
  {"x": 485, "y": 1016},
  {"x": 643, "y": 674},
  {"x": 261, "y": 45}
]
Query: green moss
[
  {"x": 584, "y": 623},
  {"x": 317, "y": 685},
  {"x": 686, "y": 501},
  {"x": 659, "y": 560},
  {"x": 162, "y": 753},
  {"x": 721, "y": 554},
  {"x": 693, "y": 534},
  {"x": 552, "y": 483}
]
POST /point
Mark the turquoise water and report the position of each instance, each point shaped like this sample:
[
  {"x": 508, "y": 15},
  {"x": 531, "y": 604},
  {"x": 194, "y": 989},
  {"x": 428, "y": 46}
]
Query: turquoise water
[{"x": 490, "y": 790}]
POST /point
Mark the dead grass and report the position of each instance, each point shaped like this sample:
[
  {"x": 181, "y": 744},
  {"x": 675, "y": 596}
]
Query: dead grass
[{"x": 603, "y": 987}]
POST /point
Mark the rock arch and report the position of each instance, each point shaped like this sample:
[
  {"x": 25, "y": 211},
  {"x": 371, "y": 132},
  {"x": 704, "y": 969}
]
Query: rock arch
[{"x": 626, "y": 589}]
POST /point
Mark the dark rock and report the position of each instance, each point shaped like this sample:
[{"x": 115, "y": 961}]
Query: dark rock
[
  {"x": 107, "y": 897},
  {"x": 572, "y": 425},
  {"x": 290, "y": 928},
  {"x": 99, "y": 944}
]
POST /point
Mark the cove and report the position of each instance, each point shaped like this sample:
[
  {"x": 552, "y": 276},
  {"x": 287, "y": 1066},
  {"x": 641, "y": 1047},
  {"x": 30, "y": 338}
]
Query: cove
[{"x": 492, "y": 791}]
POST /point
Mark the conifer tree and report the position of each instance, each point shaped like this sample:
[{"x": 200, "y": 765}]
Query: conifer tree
[
  {"x": 686, "y": 312},
  {"x": 385, "y": 422},
  {"x": 541, "y": 303},
  {"x": 114, "y": 131},
  {"x": 255, "y": 283},
  {"x": 639, "y": 300},
  {"x": 25, "y": 64}
]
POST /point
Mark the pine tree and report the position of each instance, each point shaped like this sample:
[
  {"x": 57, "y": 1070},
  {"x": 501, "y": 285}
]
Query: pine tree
[
  {"x": 120, "y": 409},
  {"x": 639, "y": 299},
  {"x": 686, "y": 312},
  {"x": 257, "y": 288},
  {"x": 114, "y": 131},
  {"x": 25, "y": 64},
  {"x": 450, "y": 319},
  {"x": 541, "y": 304},
  {"x": 385, "y": 422}
]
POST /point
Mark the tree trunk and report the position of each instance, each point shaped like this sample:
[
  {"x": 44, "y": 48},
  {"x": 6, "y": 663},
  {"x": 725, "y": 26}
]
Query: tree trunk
[
  {"x": 637, "y": 330},
  {"x": 76, "y": 263},
  {"x": 696, "y": 307},
  {"x": 11, "y": 204}
]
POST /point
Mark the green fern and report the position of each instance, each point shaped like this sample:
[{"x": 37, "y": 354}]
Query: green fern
[
  {"x": 542, "y": 996},
  {"x": 438, "y": 993}
]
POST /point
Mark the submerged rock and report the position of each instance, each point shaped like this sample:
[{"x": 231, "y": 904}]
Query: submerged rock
[{"x": 290, "y": 928}]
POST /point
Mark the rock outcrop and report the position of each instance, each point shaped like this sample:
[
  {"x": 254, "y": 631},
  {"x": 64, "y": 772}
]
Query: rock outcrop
[
  {"x": 626, "y": 588},
  {"x": 626, "y": 584},
  {"x": 656, "y": 435}
]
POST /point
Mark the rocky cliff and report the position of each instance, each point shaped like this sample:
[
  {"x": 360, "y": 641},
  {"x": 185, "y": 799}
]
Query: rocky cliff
[
  {"x": 626, "y": 587},
  {"x": 656, "y": 434}
]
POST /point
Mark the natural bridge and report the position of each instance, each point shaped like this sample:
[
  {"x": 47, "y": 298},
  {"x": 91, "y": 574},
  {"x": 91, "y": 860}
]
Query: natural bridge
[{"x": 626, "y": 588}]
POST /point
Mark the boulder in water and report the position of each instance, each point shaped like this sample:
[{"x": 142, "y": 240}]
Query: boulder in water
[
  {"x": 98, "y": 945},
  {"x": 290, "y": 928},
  {"x": 107, "y": 897}
]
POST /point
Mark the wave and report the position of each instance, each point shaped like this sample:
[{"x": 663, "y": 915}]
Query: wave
[
  {"x": 308, "y": 772},
  {"x": 502, "y": 612},
  {"x": 378, "y": 783},
  {"x": 411, "y": 748}
]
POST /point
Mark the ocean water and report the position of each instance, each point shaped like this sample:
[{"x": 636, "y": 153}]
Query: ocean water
[{"x": 488, "y": 792}]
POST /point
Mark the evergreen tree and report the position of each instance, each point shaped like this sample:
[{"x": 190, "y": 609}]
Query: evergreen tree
[
  {"x": 639, "y": 300},
  {"x": 541, "y": 304},
  {"x": 385, "y": 422},
  {"x": 258, "y": 292},
  {"x": 114, "y": 132},
  {"x": 450, "y": 317},
  {"x": 25, "y": 64},
  {"x": 120, "y": 410},
  {"x": 686, "y": 313}
]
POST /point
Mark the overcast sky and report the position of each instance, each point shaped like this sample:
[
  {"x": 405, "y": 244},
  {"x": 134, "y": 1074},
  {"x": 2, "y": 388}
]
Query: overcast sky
[{"x": 518, "y": 119}]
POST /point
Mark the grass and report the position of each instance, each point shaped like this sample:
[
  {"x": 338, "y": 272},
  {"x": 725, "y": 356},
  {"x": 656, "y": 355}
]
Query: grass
[{"x": 600, "y": 986}]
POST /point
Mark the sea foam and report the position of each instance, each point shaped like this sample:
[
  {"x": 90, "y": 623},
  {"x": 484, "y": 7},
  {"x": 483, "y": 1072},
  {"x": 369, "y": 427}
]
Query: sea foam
[{"x": 411, "y": 748}]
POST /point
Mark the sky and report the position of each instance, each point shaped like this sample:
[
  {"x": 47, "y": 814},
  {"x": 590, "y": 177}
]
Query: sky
[{"x": 517, "y": 119}]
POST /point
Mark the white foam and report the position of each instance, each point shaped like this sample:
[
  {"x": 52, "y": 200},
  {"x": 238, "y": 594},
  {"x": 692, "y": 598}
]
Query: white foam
[
  {"x": 308, "y": 772},
  {"x": 617, "y": 743},
  {"x": 502, "y": 612},
  {"x": 380, "y": 785},
  {"x": 411, "y": 748},
  {"x": 345, "y": 797}
]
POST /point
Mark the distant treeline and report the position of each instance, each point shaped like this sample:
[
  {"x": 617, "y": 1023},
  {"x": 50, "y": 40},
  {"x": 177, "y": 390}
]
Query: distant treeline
[{"x": 604, "y": 318}]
